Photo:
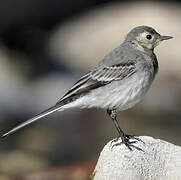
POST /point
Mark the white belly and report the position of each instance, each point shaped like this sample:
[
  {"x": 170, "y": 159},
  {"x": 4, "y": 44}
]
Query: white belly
[{"x": 119, "y": 95}]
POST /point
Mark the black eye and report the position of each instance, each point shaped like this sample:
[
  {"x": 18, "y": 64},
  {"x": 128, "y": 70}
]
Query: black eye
[{"x": 148, "y": 36}]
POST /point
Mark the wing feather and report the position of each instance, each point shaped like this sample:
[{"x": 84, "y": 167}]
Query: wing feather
[{"x": 99, "y": 77}]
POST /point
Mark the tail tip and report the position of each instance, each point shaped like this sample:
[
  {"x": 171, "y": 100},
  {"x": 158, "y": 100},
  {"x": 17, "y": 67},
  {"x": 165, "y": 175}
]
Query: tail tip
[{"x": 4, "y": 135}]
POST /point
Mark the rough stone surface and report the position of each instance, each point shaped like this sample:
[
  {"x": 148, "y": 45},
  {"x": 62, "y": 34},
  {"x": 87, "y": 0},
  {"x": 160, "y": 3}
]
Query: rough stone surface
[{"x": 159, "y": 160}]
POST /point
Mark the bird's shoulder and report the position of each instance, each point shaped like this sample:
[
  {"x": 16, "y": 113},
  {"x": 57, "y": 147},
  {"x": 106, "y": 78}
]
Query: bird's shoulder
[{"x": 124, "y": 53}]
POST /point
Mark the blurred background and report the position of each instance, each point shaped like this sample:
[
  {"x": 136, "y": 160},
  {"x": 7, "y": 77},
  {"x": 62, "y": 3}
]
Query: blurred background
[{"x": 45, "y": 46}]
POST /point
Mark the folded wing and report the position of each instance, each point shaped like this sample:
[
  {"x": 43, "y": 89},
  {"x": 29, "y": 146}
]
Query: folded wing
[{"x": 99, "y": 77}]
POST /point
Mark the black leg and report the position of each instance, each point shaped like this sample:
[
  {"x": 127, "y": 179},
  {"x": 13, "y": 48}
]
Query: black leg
[
  {"x": 113, "y": 116},
  {"x": 125, "y": 138}
]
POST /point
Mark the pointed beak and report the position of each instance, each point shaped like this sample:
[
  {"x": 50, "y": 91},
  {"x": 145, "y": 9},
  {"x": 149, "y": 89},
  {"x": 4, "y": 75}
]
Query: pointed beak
[{"x": 162, "y": 38}]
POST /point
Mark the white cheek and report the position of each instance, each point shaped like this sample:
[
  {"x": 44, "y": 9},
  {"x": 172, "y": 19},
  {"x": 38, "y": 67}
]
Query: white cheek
[{"x": 149, "y": 46}]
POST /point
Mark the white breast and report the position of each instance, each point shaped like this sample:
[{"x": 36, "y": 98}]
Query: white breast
[{"x": 119, "y": 95}]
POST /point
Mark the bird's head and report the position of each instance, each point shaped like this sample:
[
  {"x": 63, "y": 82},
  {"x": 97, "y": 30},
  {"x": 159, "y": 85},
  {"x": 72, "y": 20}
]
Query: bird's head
[{"x": 146, "y": 37}]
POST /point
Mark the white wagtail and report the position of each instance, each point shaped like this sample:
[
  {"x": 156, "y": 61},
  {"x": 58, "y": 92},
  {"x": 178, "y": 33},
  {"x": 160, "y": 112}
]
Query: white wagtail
[{"x": 120, "y": 80}]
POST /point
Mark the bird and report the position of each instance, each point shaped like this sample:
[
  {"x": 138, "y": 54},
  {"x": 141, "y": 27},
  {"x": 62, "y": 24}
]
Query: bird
[{"x": 119, "y": 81}]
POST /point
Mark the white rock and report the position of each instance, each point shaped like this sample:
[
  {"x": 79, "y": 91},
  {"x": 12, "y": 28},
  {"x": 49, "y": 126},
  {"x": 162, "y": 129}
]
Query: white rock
[{"x": 159, "y": 160}]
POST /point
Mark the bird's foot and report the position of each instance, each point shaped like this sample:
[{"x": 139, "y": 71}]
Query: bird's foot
[
  {"x": 135, "y": 138},
  {"x": 126, "y": 141}
]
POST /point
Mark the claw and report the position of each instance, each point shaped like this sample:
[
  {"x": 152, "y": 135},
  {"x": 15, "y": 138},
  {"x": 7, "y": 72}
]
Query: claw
[
  {"x": 135, "y": 137},
  {"x": 115, "y": 140},
  {"x": 126, "y": 141},
  {"x": 139, "y": 149},
  {"x": 129, "y": 146}
]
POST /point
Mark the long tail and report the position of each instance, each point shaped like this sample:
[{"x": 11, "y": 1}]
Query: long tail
[{"x": 51, "y": 110}]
